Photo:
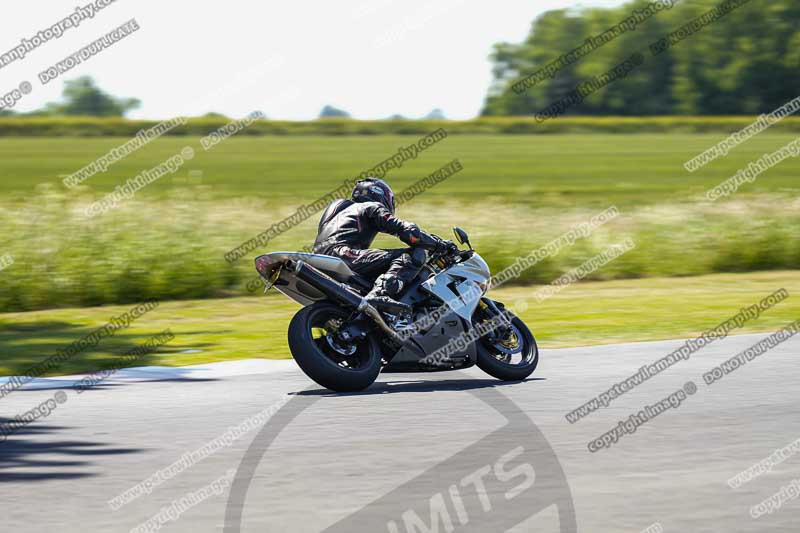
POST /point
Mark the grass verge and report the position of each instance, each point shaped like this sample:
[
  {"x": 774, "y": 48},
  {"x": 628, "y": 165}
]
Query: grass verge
[{"x": 241, "y": 328}]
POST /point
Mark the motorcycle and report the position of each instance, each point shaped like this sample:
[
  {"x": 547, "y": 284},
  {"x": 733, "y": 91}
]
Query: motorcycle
[{"x": 342, "y": 342}]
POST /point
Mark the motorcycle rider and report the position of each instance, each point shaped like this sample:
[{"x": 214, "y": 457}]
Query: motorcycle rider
[{"x": 348, "y": 227}]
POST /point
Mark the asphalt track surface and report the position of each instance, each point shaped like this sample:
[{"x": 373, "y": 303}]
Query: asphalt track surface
[{"x": 411, "y": 437}]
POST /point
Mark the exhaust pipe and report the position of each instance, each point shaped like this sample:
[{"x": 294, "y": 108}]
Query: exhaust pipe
[
  {"x": 327, "y": 285},
  {"x": 342, "y": 294}
]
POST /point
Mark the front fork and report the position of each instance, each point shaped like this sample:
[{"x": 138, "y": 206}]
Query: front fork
[{"x": 492, "y": 309}]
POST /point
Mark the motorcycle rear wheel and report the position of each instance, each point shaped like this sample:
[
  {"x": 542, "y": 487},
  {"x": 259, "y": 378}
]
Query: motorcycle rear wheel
[{"x": 335, "y": 366}]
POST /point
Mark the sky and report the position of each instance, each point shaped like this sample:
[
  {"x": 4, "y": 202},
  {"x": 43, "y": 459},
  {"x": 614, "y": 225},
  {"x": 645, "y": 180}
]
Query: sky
[{"x": 287, "y": 59}]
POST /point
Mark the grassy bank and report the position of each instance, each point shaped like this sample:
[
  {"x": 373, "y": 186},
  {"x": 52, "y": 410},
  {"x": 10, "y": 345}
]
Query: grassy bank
[{"x": 240, "y": 328}]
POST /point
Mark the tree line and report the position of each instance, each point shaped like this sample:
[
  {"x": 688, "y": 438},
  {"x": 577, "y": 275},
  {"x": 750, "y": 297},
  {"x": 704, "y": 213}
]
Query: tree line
[{"x": 731, "y": 57}]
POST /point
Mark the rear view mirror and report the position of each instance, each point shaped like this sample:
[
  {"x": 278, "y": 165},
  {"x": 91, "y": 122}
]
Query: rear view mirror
[{"x": 462, "y": 237}]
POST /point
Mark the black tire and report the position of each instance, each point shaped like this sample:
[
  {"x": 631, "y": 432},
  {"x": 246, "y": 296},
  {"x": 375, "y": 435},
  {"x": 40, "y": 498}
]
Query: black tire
[
  {"x": 495, "y": 367},
  {"x": 319, "y": 364}
]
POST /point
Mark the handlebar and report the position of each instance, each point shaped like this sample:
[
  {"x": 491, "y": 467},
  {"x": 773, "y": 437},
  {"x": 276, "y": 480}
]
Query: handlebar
[{"x": 445, "y": 259}]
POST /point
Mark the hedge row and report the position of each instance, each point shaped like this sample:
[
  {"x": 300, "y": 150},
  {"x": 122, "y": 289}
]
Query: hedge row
[{"x": 104, "y": 127}]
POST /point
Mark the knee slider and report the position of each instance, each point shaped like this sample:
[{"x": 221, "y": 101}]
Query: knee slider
[{"x": 393, "y": 286}]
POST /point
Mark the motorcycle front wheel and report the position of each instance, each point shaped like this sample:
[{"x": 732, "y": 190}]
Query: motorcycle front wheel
[
  {"x": 509, "y": 353},
  {"x": 336, "y": 365}
]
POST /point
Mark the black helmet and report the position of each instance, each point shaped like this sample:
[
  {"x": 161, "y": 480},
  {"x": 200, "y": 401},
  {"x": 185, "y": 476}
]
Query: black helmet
[{"x": 375, "y": 190}]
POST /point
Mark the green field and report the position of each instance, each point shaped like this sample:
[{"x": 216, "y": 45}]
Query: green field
[
  {"x": 516, "y": 193},
  {"x": 276, "y": 173},
  {"x": 240, "y": 328}
]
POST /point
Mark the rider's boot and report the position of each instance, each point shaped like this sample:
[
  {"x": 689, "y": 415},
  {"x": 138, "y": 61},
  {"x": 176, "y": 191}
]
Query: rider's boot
[{"x": 381, "y": 296}]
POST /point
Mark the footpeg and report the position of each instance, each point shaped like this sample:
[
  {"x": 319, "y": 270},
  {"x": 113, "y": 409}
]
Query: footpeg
[{"x": 389, "y": 305}]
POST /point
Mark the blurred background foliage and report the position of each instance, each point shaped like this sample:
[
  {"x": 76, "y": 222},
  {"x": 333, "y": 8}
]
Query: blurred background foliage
[{"x": 746, "y": 63}]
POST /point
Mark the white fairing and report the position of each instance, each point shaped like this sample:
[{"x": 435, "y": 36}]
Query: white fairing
[{"x": 458, "y": 285}]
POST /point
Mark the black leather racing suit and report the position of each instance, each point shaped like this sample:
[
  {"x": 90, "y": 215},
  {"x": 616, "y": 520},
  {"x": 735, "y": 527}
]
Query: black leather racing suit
[{"x": 347, "y": 229}]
